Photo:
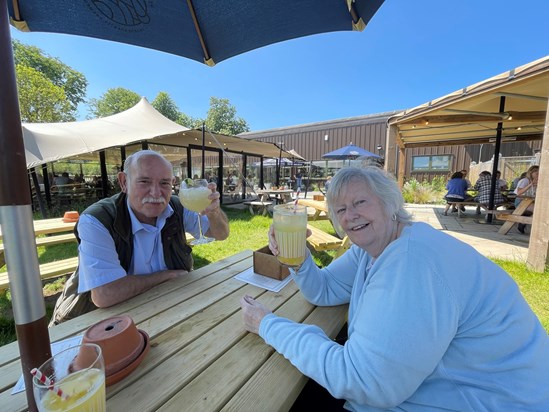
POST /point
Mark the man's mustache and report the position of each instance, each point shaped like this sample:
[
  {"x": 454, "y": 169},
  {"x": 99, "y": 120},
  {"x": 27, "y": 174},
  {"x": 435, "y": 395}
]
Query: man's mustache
[{"x": 153, "y": 200}]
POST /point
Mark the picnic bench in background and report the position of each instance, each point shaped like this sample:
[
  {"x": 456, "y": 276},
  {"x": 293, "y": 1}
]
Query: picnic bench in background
[
  {"x": 259, "y": 205},
  {"x": 320, "y": 240},
  {"x": 319, "y": 206},
  {"x": 516, "y": 216},
  {"x": 478, "y": 205}
]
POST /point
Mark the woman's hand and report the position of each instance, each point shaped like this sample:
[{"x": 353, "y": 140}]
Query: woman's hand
[{"x": 252, "y": 313}]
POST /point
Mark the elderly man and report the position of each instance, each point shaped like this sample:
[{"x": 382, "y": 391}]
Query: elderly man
[{"x": 135, "y": 240}]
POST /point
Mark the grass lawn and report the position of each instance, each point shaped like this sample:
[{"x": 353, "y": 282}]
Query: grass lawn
[{"x": 250, "y": 232}]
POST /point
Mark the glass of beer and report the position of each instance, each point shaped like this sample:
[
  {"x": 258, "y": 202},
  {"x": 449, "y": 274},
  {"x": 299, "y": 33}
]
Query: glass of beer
[
  {"x": 290, "y": 228},
  {"x": 72, "y": 380}
]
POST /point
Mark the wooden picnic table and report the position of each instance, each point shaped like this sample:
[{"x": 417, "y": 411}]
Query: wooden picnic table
[
  {"x": 201, "y": 357},
  {"x": 49, "y": 226},
  {"x": 45, "y": 227},
  {"x": 516, "y": 216},
  {"x": 281, "y": 195},
  {"x": 319, "y": 206}
]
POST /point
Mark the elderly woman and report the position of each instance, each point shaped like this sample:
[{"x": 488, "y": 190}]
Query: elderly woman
[{"x": 433, "y": 325}]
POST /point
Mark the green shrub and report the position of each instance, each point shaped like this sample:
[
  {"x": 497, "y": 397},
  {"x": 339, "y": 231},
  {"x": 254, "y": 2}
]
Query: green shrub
[{"x": 424, "y": 192}]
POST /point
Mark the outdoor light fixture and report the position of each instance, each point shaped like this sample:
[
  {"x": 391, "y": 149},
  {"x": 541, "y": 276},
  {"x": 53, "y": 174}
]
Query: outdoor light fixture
[
  {"x": 379, "y": 148},
  {"x": 426, "y": 122},
  {"x": 326, "y": 137}
]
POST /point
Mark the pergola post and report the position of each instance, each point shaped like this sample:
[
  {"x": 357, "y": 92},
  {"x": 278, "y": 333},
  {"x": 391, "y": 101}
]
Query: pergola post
[{"x": 538, "y": 250}]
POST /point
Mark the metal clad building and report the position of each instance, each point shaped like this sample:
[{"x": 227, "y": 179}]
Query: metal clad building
[{"x": 369, "y": 132}]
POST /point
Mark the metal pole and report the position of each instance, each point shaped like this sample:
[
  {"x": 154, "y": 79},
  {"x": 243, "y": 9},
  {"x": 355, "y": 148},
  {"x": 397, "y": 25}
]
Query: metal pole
[
  {"x": 203, "y": 149},
  {"x": 489, "y": 216},
  {"x": 28, "y": 305}
]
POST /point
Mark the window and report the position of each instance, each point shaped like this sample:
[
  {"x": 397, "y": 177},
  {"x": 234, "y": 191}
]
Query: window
[{"x": 431, "y": 163}]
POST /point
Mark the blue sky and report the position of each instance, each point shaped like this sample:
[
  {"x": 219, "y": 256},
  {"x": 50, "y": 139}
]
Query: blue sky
[{"x": 410, "y": 52}]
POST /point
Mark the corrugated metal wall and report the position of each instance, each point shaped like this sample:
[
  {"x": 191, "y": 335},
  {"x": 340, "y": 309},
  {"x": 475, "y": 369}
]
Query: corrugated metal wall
[{"x": 313, "y": 140}]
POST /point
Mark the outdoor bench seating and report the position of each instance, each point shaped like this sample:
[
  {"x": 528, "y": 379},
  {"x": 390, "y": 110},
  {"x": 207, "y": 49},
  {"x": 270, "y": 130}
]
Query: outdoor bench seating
[
  {"x": 259, "y": 205},
  {"x": 44, "y": 241},
  {"x": 321, "y": 240},
  {"x": 47, "y": 270},
  {"x": 477, "y": 204}
]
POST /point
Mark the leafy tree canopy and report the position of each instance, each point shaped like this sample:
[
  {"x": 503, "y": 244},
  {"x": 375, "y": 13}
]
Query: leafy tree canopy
[
  {"x": 222, "y": 118},
  {"x": 166, "y": 105},
  {"x": 113, "y": 101},
  {"x": 39, "y": 99},
  {"x": 72, "y": 82}
]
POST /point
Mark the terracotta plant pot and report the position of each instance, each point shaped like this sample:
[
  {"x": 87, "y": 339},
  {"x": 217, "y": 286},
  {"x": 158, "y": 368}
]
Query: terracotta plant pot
[
  {"x": 70, "y": 216},
  {"x": 123, "y": 345}
]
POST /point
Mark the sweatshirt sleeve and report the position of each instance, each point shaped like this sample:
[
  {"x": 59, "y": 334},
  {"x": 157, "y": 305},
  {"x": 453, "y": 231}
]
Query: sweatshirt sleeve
[
  {"x": 403, "y": 322},
  {"x": 331, "y": 285}
]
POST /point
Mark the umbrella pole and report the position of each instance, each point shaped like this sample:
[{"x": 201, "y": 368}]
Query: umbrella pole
[{"x": 17, "y": 225}]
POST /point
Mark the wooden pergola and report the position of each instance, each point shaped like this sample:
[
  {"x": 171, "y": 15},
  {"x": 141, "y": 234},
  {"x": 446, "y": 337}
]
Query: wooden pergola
[{"x": 509, "y": 107}]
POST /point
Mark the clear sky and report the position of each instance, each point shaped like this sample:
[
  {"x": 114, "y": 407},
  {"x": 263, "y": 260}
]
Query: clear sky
[{"x": 412, "y": 51}]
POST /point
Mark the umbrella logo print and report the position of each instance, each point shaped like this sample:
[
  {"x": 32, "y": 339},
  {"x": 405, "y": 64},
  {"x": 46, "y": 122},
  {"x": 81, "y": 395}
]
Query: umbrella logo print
[{"x": 123, "y": 13}]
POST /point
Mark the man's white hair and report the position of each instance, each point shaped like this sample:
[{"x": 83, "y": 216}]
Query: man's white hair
[{"x": 134, "y": 159}]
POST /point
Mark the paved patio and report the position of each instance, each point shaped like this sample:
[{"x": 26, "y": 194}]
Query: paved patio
[{"x": 473, "y": 230}]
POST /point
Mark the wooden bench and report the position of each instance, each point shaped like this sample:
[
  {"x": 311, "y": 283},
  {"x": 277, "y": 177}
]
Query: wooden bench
[
  {"x": 43, "y": 241},
  {"x": 476, "y": 204},
  {"x": 259, "y": 205},
  {"x": 321, "y": 240},
  {"x": 47, "y": 270}
]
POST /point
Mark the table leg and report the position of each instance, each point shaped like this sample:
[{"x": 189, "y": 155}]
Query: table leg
[{"x": 523, "y": 205}]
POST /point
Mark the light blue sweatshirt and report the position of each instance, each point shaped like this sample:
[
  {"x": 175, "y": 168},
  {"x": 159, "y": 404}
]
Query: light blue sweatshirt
[{"x": 433, "y": 325}]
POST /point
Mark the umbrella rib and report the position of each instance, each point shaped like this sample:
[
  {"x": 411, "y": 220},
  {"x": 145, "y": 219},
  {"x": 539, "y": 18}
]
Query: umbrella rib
[{"x": 207, "y": 58}]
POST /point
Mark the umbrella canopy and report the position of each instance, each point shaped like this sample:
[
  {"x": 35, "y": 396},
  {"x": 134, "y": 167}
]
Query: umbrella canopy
[
  {"x": 205, "y": 31},
  {"x": 348, "y": 152}
]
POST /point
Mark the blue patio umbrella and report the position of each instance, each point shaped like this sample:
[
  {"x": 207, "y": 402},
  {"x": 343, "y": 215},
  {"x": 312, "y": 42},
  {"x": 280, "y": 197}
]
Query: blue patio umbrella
[
  {"x": 205, "y": 31},
  {"x": 348, "y": 152}
]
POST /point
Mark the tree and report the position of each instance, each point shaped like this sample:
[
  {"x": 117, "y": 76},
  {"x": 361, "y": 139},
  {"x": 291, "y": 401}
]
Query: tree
[
  {"x": 222, "y": 118},
  {"x": 113, "y": 101},
  {"x": 39, "y": 99},
  {"x": 165, "y": 105},
  {"x": 72, "y": 82}
]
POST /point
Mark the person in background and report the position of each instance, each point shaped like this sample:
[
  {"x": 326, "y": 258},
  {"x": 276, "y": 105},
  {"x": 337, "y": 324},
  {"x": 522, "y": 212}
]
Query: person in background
[
  {"x": 483, "y": 187},
  {"x": 527, "y": 187},
  {"x": 457, "y": 191},
  {"x": 516, "y": 180},
  {"x": 464, "y": 174},
  {"x": 424, "y": 333},
  {"x": 502, "y": 183},
  {"x": 135, "y": 240},
  {"x": 298, "y": 178},
  {"x": 328, "y": 182}
]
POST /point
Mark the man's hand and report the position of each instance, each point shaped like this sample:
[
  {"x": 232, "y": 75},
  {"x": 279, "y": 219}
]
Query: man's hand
[
  {"x": 219, "y": 223},
  {"x": 252, "y": 313}
]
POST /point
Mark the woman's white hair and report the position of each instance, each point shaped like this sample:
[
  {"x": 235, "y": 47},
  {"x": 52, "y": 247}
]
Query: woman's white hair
[
  {"x": 381, "y": 184},
  {"x": 133, "y": 160}
]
